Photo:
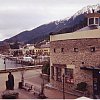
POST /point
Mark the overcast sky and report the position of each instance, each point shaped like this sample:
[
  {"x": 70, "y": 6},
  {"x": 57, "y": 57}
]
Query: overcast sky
[{"x": 19, "y": 15}]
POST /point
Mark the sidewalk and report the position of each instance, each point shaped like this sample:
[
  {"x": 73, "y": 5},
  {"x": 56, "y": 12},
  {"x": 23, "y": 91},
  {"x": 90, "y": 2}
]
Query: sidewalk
[{"x": 32, "y": 77}]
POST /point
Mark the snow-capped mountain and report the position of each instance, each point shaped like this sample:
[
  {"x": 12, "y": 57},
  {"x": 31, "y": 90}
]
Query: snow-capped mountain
[
  {"x": 42, "y": 32},
  {"x": 87, "y": 9}
]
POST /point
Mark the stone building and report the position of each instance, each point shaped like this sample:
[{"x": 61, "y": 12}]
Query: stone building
[{"x": 77, "y": 56}]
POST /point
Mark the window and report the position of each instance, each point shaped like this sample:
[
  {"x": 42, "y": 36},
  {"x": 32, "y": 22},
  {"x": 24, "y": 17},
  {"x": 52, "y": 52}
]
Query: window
[
  {"x": 58, "y": 74},
  {"x": 82, "y": 62},
  {"x": 92, "y": 49},
  {"x": 91, "y": 21},
  {"x": 45, "y": 50},
  {"x": 75, "y": 49},
  {"x": 96, "y": 21},
  {"x": 54, "y": 50},
  {"x": 99, "y": 21},
  {"x": 62, "y": 49},
  {"x": 69, "y": 75}
]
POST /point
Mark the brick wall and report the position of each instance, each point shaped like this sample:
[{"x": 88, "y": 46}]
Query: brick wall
[{"x": 69, "y": 57}]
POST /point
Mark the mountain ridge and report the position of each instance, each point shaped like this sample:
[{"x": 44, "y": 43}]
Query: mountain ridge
[{"x": 65, "y": 25}]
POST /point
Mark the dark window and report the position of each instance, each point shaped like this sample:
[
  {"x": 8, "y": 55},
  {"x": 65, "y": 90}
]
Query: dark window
[
  {"x": 69, "y": 75},
  {"x": 96, "y": 21},
  {"x": 91, "y": 21},
  {"x": 75, "y": 49},
  {"x": 54, "y": 50},
  {"x": 62, "y": 49},
  {"x": 92, "y": 49}
]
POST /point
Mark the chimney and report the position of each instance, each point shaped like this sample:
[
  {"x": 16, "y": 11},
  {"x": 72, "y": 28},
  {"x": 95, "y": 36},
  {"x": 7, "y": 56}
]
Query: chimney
[{"x": 93, "y": 10}]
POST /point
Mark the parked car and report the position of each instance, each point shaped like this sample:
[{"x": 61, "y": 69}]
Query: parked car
[{"x": 28, "y": 61}]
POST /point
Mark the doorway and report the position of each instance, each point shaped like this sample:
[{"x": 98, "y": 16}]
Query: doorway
[{"x": 96, "y": 81}]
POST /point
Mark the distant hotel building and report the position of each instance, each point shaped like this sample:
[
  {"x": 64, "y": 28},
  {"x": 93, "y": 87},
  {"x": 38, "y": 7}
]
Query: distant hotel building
[
  {"x": 77, "y": 56},
  {"x": 43, "y": 50}
]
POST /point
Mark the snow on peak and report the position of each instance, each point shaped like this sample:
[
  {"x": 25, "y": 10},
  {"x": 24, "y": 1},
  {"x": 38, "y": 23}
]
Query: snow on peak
[
  {"x": 61, "y": 21},
  {"x": 57, "y": 22},
  {"x": 87, "y": 9}
]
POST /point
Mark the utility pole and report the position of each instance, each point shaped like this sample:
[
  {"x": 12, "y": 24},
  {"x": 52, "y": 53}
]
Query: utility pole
[{"x": 63, "y": 86}]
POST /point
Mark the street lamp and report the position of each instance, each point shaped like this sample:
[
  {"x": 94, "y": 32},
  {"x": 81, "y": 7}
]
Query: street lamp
[
  {"x": 42, "y": 95},
  {"x": 5, "y": 62},
  {"x": 42, "y": 86},
  {"x": 21, "y": 84},
  {"x": 63, "y": 82},
  {"x": 22, "y": 74}
]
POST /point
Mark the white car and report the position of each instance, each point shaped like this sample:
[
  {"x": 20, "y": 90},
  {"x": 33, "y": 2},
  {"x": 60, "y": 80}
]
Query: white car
[{"x": 28, "y": 59}]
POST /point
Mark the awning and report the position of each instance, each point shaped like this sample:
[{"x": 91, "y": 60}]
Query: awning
[
  {"x": 90, "y": 68},
  {"x": 59, "y": 65}
]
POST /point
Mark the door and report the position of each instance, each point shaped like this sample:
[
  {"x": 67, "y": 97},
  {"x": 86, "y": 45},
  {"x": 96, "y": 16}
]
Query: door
[
  {"x": 98, "y": 82},
  {"x": 95, "y": 82}
]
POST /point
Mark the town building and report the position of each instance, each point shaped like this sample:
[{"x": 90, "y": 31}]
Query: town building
[
  {"x": 15, "y": 49},
  {"x": 45, "y": 49},
  {"x": 4, "y": 49},
  {"x": 76, "y": 55},
  {"x": 30, "y": 49}
]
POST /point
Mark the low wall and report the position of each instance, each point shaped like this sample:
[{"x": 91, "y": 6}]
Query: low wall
[{"x": 21, "y": 68}]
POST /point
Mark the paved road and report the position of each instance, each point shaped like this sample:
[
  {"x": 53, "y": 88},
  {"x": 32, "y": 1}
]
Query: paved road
[{"x": 33, "y": 77}]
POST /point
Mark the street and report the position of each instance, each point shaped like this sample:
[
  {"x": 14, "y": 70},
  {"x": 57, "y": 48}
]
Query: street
[{"x": 32, "y": 77}]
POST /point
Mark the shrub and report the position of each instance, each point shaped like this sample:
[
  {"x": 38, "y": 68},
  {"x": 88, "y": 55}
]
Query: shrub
[
  {"x": 82, "y": 86},
  {"x": 46, "y": 68}
]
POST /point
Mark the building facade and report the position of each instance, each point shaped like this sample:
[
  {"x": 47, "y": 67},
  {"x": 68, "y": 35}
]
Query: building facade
[{"x": 76, "y": 56}]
